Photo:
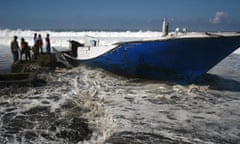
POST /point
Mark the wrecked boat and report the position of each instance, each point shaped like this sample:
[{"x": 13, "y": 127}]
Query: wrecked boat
[{"x": 178, "y": 58}]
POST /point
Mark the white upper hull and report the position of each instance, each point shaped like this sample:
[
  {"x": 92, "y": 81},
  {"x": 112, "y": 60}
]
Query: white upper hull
[{"x": 89, "y": 51}]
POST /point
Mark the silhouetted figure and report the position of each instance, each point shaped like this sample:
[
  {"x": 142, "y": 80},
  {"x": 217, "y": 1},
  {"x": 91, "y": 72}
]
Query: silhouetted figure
[
  {"x": 48, "y": 44},
  {"x": 25, "y": 50},
  {"x": 35, "y": 50},
  {"x": 15, "y": 49},
  {"x": 35, "y": 38},
  {"x": 40, "y": 43}
]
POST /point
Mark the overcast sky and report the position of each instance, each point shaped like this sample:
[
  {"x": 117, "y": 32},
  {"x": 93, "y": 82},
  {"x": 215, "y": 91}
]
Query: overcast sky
[{"x": 196, "y": 15}]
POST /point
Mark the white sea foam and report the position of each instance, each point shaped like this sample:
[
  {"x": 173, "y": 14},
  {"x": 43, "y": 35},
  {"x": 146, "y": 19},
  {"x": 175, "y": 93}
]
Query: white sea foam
[
  {"x": 170, "y": 111},
  {"x": 59, "y": 39}
]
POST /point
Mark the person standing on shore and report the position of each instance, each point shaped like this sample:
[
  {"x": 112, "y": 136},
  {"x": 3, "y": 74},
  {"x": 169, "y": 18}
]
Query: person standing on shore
[
  {"x": 35, "y": 48},
  {"x": 35, "y": 38},
  {"x": 48, "y": 45},
  {"x": 40, "y": 43},
  {"x": 25, "y": 50},
  {"x": 15, "y": 49}
]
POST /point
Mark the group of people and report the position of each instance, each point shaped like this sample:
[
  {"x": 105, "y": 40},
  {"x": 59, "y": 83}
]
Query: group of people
[{"x": 37, "y": 47}]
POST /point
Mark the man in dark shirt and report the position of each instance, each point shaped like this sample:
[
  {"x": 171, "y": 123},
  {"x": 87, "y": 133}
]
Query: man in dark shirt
[{"x": 15, "y": 49}]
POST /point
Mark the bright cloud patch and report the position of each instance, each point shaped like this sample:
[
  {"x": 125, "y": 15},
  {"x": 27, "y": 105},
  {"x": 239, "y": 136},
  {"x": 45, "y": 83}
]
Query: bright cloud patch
[{"x": 219, "y": 18}]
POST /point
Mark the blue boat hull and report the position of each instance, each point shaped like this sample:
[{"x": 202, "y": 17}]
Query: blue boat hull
[{"x": 176, "y": 60}]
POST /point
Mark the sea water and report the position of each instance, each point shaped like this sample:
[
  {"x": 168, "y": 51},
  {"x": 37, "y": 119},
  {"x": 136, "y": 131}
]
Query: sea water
[{"x": 90, "y": 105}]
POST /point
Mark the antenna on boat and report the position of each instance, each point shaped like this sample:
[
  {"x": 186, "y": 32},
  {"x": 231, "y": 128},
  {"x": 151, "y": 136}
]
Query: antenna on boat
[{"x": 165, "y": 27}]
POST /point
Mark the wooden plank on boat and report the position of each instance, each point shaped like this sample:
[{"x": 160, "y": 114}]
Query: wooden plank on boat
[{"x": 17, "y": 78}]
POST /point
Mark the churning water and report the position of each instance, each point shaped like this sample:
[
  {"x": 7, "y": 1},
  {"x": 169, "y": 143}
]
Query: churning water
[{"x": 90, "y": 105}]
